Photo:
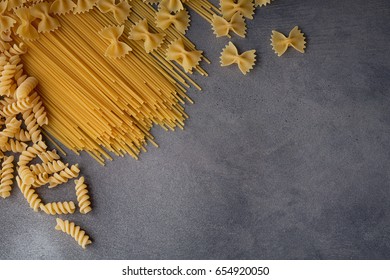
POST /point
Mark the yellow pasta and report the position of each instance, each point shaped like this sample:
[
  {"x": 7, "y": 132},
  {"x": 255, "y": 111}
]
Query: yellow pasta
[
  {"x": 60, "y": 7},
  {"x": 48, "y": 168},
  {"x": 140, "y": 32},
  {"x": 82, "y": 195},
  {"x": 230, "y": 7},
  {"x": 75, "y": 231},
  {"x": 58, "y": 208},
  {"x": 222, "y": 27},
  {"x": 172, "y": 5},
  {"x": 180, "y": 20},
  {"x": 187, "y": 59},
  {"x": 6, "y": 22},
  {"x": 83, "y": 6},
  {"x": 245, "y": 61},
  {"x": 259, "y": 3},
  {"x": 47, "y": 22},
  {"x": 295, "y": 39},
  {"x": 7, "y": 171},
  {"x": 116, "y": 49},
  {"x": 26, "y": 29},
  {"x": 29, "y": 193},
  {"x": 63, "y": 176},
  {"x": 120, "y": 11},
  {"x": 40, "y": 179}
]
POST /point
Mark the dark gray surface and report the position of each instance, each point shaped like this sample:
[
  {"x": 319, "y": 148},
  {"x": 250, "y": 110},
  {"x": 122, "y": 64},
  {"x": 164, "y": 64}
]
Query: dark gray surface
[{"x": 289, "y": 162}]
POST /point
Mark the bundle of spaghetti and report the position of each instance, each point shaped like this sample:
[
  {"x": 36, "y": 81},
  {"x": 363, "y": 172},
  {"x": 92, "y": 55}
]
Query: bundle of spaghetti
[{"x": 95, "y": 102}]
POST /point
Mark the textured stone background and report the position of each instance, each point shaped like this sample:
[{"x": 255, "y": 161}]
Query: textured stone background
[{"x": 289, "y": 162}]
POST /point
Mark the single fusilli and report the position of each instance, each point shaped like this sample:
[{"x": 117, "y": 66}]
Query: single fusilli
[
  {"x": 82, "y": 195},
  {"x": 30, "y": 194},
  {"x": 75, "y": 231},
  {"x": 7, "y": 171},
  {"x": 58, "y": 208}
]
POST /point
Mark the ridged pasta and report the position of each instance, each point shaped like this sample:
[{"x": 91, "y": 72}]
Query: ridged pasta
[
  {"x": 295, "y": 39},
  {"x": 38, "y": 109},
  {"x": 49, "y": 168},
  {"x": 84, "y": 6},
  {"x": 7, "y": 170},
  {"x": 172, "y": 5},
  {"x": 49, "y": 156},
  {"x": 64, "y": 176},
  {"x": 58, "y": 208},
  {"x": 75, "y": 231},
  {"x": 26, "y": 175},
  {"x": 32, "y": 126},
  {"x": 6, "y": 22},
  {"x": 230, "y": 7},
  {"x": 47, "y": 22},
  {"x": 120, "y": 11},
  {"x": 245, "y": 61},
  {"x": 11, "y": 128},
  {"x": 17, "y": 107},
  {"x": 6, "y": 79},
  {"x": 116, "y": 49},
  {"x": 140, "y": 32},
  {"x": 40, "y": 180},
  {"x": 187, "y": 59},
  {"x": 82, "y": 195},
  {"x": 259, "y": 3},
  {"x": 22, "y": 135},
  {"x": 31, "y": 153},
  {"x": 29, "y": 193},
  {"x": 26, "y": 87}
]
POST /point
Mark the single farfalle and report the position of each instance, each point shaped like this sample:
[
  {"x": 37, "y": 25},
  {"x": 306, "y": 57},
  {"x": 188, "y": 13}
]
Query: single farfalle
[
  {"x": 116, "y": 49},
  {"x": 47, "y": 22},
  {"x": 6, "y": 22},
  {"x": 140, "y": 32},
  {"x": 172, "y": 5},
  {"x": 180, "y": 20},
  {"x": 187, "y": 59},
  {"x": 61, "y": 7},
  {"x": 260, "y": 3},
  {"x": 83, "y": 6},
  {"x": 230, "y": 7},
  {"x": 245, "y": 61},
  {"x": 25, "y": 28},
  {"x": 295, "y": 39},
  {"x": 120, "y": 10},
  {"x": 222, "y": 27}
]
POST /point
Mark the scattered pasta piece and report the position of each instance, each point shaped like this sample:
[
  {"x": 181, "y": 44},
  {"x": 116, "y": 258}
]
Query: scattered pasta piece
[
  {"x": 47, "y": 23},
  {"x": 116, "y": 49},
  {"x": 230, "y": 7},
  {"x": 120, "y": 11},
  {"x": 26, "y": 30},
  {"x": 75, "y": 231},
  {"x": 82, "y": 195},
  {"x": 30, "y": 194},
  {"x": 6, "y": 22},
  {"x": 245, "y": 61},
  {"x": 140, "y": 32},
  {"x": 58, "y": 208},
  {"x": 61, "y": 7},
  {"x": 222, "y": 27},
  {"x": 84, "y": 6},
  {"x": 260, "y": 3},
  {"x": 187, "y": 59},
  {"x": 7, "y": 171},
  {"x": 280, "y": 43},
  {"x": 180, "y": 20},
  {"x": 172, "y": 5},
  {"x": 63, "y": 176}
]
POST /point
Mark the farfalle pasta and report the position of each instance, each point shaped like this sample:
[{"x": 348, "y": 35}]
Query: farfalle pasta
[
  {"x": 120, "y": 10},
  {"x": 6, "y": 22},
  {"x": 83, "y": 6},
  {"x": 61, "y": 7},
  {"x": 180, "y": 20},
  {"x": 116, "y": 49},
  {"x": 295, "y": 39},
  {"x": 245, "y": 61},
  {"x": 25, "y": 29},
  {"x": 47, "y": 22},
  {"x": 172, "y": 5},
  {"x": 140, "y": 32},
  {"x": 187, "y": 59},
  {"x": 222, "y": 27},
  {"x": 260, "y": 3},
  {"x": 230, "y": 7}
]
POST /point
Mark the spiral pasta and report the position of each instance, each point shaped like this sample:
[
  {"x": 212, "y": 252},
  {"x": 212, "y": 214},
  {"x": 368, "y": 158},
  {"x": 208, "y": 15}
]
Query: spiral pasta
[
  {"x": 26, "y": 87},
  {"x": 49, "y": 156},
  {"x": 12, "y": 127},
  {"x": 40, "y": 180},
  {"x": 82, "y": 195},
  {"x": 26, "y": 175},
  {"x": 58, "y": 208},
  {"x": 38, "y": 109},
  {"x": 75, "y": 231},
  {"x": 32, "y": 126},
  {"x": 31, "y": 153},
  {"x": 14, "y": 146},
  {"x": 29, "y": 193},
  {"x": 7, "y": 170},
  {"x": 17, "y": 107},
  {"x": 22, "y": 135},
  {"x": 49, "y": 168},
  {"x": 6, "y": 79},
  {"x": 64, "y": 176}
]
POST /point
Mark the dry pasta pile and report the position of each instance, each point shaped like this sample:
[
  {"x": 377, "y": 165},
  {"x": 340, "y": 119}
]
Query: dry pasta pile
[{"x": 108, "y": 71}]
